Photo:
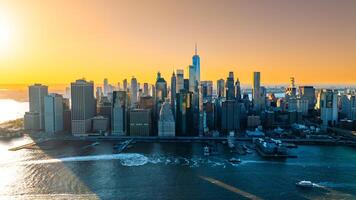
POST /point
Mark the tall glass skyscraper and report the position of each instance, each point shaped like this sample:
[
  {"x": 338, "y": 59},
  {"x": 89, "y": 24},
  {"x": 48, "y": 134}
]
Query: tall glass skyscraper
[{"x": 196, "y": 64}]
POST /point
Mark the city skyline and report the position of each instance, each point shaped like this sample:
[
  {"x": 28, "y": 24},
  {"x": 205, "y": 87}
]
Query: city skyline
[{"x": 98, "y": 42}]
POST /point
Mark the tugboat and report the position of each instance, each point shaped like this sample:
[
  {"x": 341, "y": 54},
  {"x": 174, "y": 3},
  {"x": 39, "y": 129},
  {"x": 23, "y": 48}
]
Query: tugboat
[
  {"x": 206, "y": 151},
  {"x": 234, "y": 160},
  {"x": 305, "y": 184}
]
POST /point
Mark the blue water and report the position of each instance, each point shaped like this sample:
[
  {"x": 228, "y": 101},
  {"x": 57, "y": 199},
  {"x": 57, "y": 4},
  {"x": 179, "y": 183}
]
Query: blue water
[{"x": 172, "y": 171}]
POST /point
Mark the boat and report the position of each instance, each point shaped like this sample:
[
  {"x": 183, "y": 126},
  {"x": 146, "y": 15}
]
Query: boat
[
  {"x": 206, "y": 151},
  {"x": 234, "y": 160},
  {"x": 95, "y": 144},
  {"x": 305, "y": 184}
]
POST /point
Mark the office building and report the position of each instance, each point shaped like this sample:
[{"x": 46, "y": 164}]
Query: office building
[
  {"x": 83, "y": 106},
  {"x": 230, "y": 87},
  {"x": 184, "y": 113},
  {"x": 230, "y": 116},
  {"x": 166, "y": 123},
  {"x": 308, "y": 92},
  {"x": 133, "y": 91},
  {"x": 180, "y": 80},
  {"x": 53, "y": 113},
  {"x": 192, "y": 79},
  {"x": 140, "y": 122},
  {"x": 37, "y": 92},
  {"x": 256, "y": 92},
  {"x": 32, "y": 121},
  {"x": 119, "y": 113},
  {"x": 238, "y": 90},
  {"x": 220, "y": 88},
  {"x": 196, "y": 65},
  {"x": 173, "y": 92},
  {"x": 328, "y": 105},
  {"x": 161, "y": 88}
]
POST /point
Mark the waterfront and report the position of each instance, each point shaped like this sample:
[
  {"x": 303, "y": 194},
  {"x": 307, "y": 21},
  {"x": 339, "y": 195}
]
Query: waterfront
[{"x": 62, "y": 169}]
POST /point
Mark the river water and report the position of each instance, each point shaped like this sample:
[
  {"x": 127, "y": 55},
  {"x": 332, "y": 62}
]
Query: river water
[{"x": 76, "y": 170}]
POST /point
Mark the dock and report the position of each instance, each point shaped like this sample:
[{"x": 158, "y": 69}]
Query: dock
[{"x": 28, "y": 145}]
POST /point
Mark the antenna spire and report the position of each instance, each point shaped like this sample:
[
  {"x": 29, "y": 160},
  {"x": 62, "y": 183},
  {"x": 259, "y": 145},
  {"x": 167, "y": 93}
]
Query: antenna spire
[{"x": 196, "y": 49}]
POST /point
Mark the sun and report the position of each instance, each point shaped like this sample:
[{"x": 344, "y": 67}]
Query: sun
[{"x": 5, "y": 34}]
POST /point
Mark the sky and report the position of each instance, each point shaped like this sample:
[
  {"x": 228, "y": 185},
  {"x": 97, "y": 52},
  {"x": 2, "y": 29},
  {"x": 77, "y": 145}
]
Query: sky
[{"x": 59, "y": 41}]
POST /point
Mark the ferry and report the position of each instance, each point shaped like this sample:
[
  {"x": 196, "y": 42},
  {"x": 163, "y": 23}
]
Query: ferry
[
  {"x": 271, "y": 148},
  {"x": 305, "y": 184}
]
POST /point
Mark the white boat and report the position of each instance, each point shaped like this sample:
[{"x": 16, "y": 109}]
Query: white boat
[
  {"x": 305, "y": 184},
  {"x": 206, "y": 151},
  {"x": 234, "y": 160}
]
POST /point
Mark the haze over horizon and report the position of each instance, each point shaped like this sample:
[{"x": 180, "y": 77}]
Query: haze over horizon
[{"x": 53, "y": 42}]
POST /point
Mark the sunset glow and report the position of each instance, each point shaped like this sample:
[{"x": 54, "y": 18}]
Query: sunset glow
[{"x": 58, "y": 42}]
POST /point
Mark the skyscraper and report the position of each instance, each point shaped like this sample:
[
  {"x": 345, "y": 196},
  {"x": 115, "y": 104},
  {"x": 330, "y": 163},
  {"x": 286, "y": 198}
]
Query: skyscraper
[
  {"x": 173, "y": 91},
  {"x": 230, "y": 119},
  {"x": 327, "y": 102},
  {"x": 119, "y": 113},
  {"x": 124, "y": 85},
  {"x": 106, "y": 87},
  {"x": 196, "y": 64},
  {"x": 37, "y": 92},
  {"x": 308, "y": 92},
  {"x": 166, "y": 123},
  {"x": 140, "y": 122},
  {"x": 238, "y": 89},
  {"x": 145, "y": 89},
  {"x": 53, "y": 113},
  {"x": 256, "y": 93},
  {"x": 161, "y": 88},
  {"x": 192, "y": 79},
  {"x": 133, "y": 91},
  {"x": 184, "y": 120},
  {"x": 83, "y": 106},
  {"x": 230, "y": 87},
  {"x": 180, "y": 80},
  {"x": 220, "y": 87},
  {"x": 207, "y": 90}
]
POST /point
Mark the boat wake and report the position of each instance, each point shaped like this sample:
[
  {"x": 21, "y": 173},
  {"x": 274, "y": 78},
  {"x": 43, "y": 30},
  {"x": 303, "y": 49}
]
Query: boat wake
[{"x": 126, "y": 159}]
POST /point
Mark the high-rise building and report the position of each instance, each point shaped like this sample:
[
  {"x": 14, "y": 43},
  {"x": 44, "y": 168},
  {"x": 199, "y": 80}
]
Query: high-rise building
[
  {"x": 230, "y": 87},
  {"x": 220, "y": 87},
  {"x": 166, "y": 123},
  {"x": 119, "y": 113},
  {"x": 238, "y": 89},
  {"x": 140, "y": 122},
  {"x": 145, "y": 89},
  {"x": 196, "y": 64},
  {"x": 124, "y": 85},
  {"x": 184, "y": 116},
  {"x": 256, "y": 91},
  {"x": 291, "y": 91},
  {"x": 192, "y": 79},
  {"x": 308, "y": 92},
  {"x": 104, "y": 108},
  {"x": 230, "y": 119},
  {"x": 348, "y": 106},
  {"x": 207, "y": 90},
  {"x": 327, "y": 103},
  {"x": 161, "y": 88},
  {"x": 53, "y": 113},
  {"x": 133, "y": 90},
  {"x": 173, "y": 92},
  {"x": 83, "y": 106},
  {"x": 37, "y": 92},
  {"x": 106, "y": 87},
  {"x": 180, "y": 80},
  {"x": 98, "y": 93}
]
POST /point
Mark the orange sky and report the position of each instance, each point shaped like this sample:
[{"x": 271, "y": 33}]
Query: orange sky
[{"x": 54, "y": 41}]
